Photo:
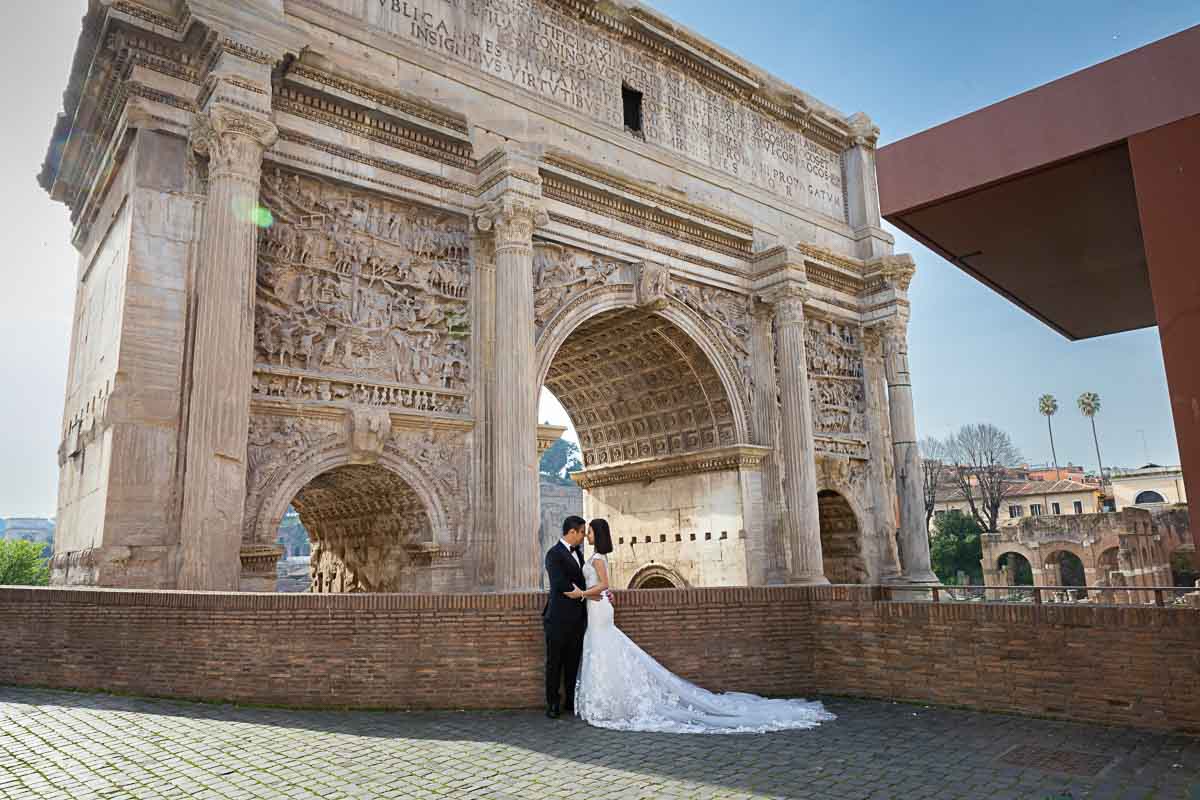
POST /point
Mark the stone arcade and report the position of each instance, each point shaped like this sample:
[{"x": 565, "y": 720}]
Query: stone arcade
[{"x": 331, "y": 250}]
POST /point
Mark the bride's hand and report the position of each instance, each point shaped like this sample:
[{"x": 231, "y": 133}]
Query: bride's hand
[{"x": 576, "y": 593}]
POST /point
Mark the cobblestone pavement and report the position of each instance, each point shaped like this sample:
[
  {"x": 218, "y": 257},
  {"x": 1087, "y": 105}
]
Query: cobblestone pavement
[{"x": 77, "y": 746}]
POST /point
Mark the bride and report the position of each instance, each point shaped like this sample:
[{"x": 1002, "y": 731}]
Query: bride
[{"x": 620, "y": 686}]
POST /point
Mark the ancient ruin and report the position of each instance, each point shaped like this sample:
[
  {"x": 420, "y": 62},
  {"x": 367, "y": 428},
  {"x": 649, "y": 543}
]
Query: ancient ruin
[
  {"x": 1102, "y": 557},
  {"x": 331, "y": 250}
]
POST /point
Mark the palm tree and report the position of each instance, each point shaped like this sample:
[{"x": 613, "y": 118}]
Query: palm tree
[
  {"x": 1049, "y": 407},
  {"x": 1089, "y": 406}
]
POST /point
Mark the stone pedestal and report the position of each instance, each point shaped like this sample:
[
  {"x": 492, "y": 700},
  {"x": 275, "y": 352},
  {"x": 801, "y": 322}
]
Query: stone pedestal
[
  {"x": 218, "y": 406},
  {"x": 914, "y": 536},
  {"x": 802, "y": 518}
]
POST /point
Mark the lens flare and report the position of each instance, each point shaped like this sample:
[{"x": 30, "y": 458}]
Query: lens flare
[{"x": 263, "y": 217}]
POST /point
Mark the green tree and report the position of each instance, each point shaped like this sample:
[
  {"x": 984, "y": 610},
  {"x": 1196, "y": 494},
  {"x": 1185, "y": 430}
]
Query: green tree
[
  {"x": 559, "y": 460},
  {"x": 955, "y": 547},
  {"x": 1048, "y": 407},
  {"x": 22, "y": 564},
  {"x": 1089, "y": 406}
]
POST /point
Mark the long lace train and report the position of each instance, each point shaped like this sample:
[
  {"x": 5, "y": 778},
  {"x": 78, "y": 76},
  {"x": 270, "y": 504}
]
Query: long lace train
[{"x": 622, "y": 687}]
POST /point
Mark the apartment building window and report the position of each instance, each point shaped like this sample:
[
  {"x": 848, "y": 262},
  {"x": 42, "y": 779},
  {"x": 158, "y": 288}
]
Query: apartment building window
[
  {"x": 1015, "y": 511},
  {"x": 1035, "y": 509},
  {"x": 939, "y": 513},
  {"x": 1055, "y": 509},
  {"x": 1078, "y": 506}
]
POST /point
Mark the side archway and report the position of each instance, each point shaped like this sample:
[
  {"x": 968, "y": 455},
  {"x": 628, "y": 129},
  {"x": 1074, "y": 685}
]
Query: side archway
[
  {"x": 656, "y": 576},
  {"x": 296, "y": 476},
  {"x": 1015, "y": 569},
  {"x": 841, "y": 539}
]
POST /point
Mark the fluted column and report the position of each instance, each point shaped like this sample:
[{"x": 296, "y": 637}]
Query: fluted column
[
  {"x": 880, "y": 468},
  {"x": 482, "y": 539},
  {"x": 802, "y": 517},
  {"x": 222, "y": 362},
  {"x": 765, "y": 426},
  {"x": 914, "y": 536},
  {"x": 512, "y": 218}
]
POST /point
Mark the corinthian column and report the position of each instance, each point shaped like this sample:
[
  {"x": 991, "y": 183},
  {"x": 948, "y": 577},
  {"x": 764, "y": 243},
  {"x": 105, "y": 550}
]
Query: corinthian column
[
  {"x": 222, "y": 353},
  {"x": 765, "y": 424},
  {"x": 512, "y": 218},
  {"x": 802, "y": 518},
  {"x": 914, "y": 537}
]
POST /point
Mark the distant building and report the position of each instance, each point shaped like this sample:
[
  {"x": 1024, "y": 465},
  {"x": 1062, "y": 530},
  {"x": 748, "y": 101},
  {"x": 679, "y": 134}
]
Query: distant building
[
  {"x": 1071, "y": 472},
  {"x": 30, "y": 529},
  {"x": 1028, "y": 499},
  {"x": 1151, "y": 485}
]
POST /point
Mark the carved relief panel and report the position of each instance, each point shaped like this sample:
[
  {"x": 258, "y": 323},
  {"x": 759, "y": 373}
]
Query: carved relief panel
[
  {"x": 360, "y": 299},
  {"x": 728, "y": 314},
  {"x": 836, "y": 388},
  {"x": 560, "y": 274}
]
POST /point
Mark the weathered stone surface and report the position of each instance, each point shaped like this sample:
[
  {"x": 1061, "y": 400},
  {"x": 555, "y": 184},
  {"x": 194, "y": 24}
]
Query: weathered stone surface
[{"x": 347, "y": 243}]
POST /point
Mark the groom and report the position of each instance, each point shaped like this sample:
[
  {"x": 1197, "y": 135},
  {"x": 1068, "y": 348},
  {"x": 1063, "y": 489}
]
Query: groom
[{"x": 564, "y": 618}]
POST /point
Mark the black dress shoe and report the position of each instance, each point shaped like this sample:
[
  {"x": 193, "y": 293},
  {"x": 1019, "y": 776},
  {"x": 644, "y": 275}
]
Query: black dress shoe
[{"x": 552, "y": 711}]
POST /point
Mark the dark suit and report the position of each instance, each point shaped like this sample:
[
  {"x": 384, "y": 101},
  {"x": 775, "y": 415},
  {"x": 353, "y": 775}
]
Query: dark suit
[{"x": 564, "y": 621}]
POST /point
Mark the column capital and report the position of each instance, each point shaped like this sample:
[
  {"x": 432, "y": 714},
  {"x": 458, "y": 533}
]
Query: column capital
[
  {"x": 897, "y": 271},
  {"x": 234, "y": 141},
  {"x": 863, "y": 130},
  {"x": 787, "y": 301},
  {"x": 513, "y": 219}
]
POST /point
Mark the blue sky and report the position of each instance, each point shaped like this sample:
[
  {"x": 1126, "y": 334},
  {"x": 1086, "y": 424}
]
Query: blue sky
[
  {"x": 913, "y": 65},
  {"x": 909, "y": 65}
]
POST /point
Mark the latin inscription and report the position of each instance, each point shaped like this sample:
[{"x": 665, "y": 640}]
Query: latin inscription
[{"x": 527, "y": 43}]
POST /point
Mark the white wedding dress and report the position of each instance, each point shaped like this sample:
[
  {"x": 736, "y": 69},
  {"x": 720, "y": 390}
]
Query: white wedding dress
[{"x": 622, "y": 687}]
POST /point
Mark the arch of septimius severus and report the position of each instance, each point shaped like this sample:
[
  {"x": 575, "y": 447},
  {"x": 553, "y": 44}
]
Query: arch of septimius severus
[{"x": 331, "y": 250}]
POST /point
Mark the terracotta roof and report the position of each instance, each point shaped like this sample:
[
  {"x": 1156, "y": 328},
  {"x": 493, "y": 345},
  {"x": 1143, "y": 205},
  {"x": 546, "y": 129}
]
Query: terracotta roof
[{"x": 1029, "y": 489}]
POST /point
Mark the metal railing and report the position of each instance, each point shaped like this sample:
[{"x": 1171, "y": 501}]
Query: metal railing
[{"x": 1159, "y": 596}]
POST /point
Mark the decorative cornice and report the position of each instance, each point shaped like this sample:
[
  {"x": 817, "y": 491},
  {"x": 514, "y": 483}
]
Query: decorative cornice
[
  {"x": 893, "y": 272},
  {"x": 833, "y": 279},
  {"x": 306, "y": 105},
  {"x": 296, "y": 137},
  {"x": 718, "y": 459},
  {"x": 260, "y": 559},
  {"x": 609, "y": 233},
  {"x": 646, "y": 217},
  {"x": 829, "y": 257},
  {"x": 392, "y": 100},
  {"x": 631, "y": 186}
]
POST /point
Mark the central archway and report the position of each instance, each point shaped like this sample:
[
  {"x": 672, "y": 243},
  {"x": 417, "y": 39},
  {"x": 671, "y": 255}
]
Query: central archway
[
  {"x": 637, "y": 387},
  {"x": 659, "y": 419}
]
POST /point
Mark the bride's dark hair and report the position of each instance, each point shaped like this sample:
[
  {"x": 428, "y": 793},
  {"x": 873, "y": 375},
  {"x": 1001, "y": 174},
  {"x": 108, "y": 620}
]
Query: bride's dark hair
[{"x": 603, "y": 537}]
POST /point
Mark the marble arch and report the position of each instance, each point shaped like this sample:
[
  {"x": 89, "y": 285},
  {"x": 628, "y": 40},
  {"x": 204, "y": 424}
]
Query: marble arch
[{"x": 426, "y": 235}]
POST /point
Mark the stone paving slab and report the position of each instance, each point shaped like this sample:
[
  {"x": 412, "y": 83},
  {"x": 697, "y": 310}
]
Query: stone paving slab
[{"x": 62, "y": 745}]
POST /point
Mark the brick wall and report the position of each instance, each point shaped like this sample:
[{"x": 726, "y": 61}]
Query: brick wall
[
  {"x": 1119, "y": 665},
  {"x": 393, "y": 651},
  {"x": 1134, "y": 666}
]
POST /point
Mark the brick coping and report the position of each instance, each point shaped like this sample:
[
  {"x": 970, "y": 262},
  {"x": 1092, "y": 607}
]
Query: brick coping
[{"x": 731, "y": 596}]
